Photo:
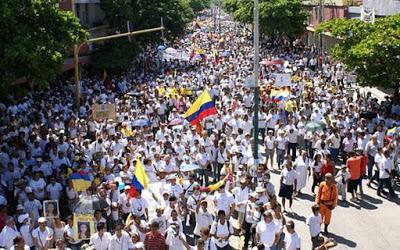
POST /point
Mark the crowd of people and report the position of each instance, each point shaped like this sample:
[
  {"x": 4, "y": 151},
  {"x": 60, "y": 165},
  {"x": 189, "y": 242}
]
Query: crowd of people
[{"x": 322, "y": 129}]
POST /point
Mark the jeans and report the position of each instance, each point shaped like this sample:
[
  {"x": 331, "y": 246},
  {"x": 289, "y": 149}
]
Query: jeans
[
  {"x": 203, "y": 175},
  {"x": 386, "y": 182},
  {"x": 292, "y": 147},
  {"x": 309, "y": 148},
  {"x": 334, "y": 153},
  {"x": 280, "y": 154},
  {"x": 371, "y": 162},
  {"x": 247, "y": 234}
]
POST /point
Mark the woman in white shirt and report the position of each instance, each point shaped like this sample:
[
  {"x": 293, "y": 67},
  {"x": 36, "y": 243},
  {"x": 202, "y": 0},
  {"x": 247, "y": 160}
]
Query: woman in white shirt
[
  {"x": 221, "y": 231},
  {"x": 316, "y": 166}
]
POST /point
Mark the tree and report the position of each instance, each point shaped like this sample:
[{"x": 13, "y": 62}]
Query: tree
[
  {"x": 199, "y": 5},
  {"x": 277, "y": 17},
  {"x": 142, "y": 14},
  {"x": 36, "y": 38},
  {"x": 372, "y": 51}
]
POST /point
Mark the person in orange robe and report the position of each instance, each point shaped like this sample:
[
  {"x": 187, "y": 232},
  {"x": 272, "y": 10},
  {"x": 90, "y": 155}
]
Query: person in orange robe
[{"x": 326, "y": 198}]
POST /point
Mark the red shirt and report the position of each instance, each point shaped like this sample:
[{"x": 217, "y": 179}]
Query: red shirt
[
  {"x": 327, "y": 168},
  {"x": 154, "y": 241},
  {"x": 363, "y": 165}
]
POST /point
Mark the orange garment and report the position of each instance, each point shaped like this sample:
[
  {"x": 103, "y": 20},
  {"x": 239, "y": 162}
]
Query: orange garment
[
  {"x": 354, "y": 166},
  {"x": 327, "y": 200}
]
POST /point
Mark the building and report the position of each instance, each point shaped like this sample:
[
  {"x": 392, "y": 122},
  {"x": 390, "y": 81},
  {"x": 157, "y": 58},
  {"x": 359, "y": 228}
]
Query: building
[
  {"x": 381, "y": 8},
  {"x": 322, "y": 10},
  {"x": 91, "y": 17}
]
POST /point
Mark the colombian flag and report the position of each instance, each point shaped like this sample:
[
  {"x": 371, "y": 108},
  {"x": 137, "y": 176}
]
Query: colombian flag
[
  {"x": 215, "y": 186},
  {"x": 140, "y": 180},
  {"x": 81, "y": 181},
  {"x": 201, "y": 108},
  {"x": 279, "y": 95}
]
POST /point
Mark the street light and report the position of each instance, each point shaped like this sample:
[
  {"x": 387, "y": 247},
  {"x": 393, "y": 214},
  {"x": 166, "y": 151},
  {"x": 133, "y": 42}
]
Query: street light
[
  {"x": 77, "y": 48},
  {"x": 256, "y": 86}
]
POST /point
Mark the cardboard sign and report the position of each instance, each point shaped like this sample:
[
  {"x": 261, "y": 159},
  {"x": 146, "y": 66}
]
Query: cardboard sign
[
  {"x": 282, "y": 80},
  {"x": 104, "y": 111}
]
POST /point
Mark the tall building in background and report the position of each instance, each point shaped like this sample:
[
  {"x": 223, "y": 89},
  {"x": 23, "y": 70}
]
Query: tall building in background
[{"x": 91, "y": 17}]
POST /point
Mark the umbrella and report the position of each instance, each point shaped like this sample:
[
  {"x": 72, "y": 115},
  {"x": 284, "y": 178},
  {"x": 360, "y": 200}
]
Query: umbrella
[
  {"x": 314, "y": 126},
  {"x": 88, "y": 204},
  {"x": 226, "y": 53},
  {"x": 161, "y": 47},
  {"x": 189, "y": 167},
  {"x": 171, "y": 51},
  {"x": 175, "y": 122},
  {"x": 272, "y": 62},
  {"x": 140, "y": 123}
]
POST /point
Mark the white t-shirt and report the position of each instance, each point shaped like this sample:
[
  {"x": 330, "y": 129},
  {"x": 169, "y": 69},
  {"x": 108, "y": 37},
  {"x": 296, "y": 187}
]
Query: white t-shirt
[
  {"x": 288, "y": 176},
  {"x": 314, "y": 224},
  {"x": 267, "y": 232},
  {"x": 101, "y": 243},
  {"x": 270, "y": 142},
  {"x": 386, "y": 165},
  {"x": 54, "y": 191},
  {"x": 224, "y": 201},
  {"x": 42, "y": 236},
  {"x": 203, "y": 219},
  {"x": 335, "y": 141},
  {"x": 292, "y": 241},
  {"x": 139, "y": 206},
  {"x": 221, "y": 231}
]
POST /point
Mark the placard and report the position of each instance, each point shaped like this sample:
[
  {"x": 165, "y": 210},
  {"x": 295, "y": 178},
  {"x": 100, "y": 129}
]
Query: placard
[
  {"x": 283, "y": 80},
  {"x": 104, "y": 111},
  {"x": 83, "y": 226},
  {"x": 51, "y": 209}
]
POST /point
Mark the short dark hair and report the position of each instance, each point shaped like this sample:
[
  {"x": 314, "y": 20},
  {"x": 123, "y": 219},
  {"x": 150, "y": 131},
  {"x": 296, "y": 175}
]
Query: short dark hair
[
  {"x": 101, "y": 226},
  {"x": 315, "y": 208},
  {"x": 290, "y": 223},
  {"x": 155, "y": 224}
]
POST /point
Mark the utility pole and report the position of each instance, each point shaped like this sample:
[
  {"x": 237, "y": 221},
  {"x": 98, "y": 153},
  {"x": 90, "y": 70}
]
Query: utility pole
[
  {"x": 77, "y": 48},
  {"x": 320, "y": 20},
  {"x": 256, "y": 87}
]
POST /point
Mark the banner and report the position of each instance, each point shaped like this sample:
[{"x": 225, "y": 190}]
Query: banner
[
  {"x": 104, "y": 111},
  {"x": 283, "y": 80}
]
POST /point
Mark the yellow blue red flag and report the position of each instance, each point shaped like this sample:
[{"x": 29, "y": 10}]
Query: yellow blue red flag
[{"x": 204, "y": 106}]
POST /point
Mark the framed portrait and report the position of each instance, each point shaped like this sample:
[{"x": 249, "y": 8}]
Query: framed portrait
[
  {"x": 83, "y": 226},
  {"x": 51, "y": 209}
]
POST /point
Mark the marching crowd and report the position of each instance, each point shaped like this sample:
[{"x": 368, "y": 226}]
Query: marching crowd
[{"x": 322, "y": 129}]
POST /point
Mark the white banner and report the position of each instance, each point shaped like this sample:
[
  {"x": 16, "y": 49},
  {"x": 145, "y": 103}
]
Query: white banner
[{"x": 283, "y": 80}]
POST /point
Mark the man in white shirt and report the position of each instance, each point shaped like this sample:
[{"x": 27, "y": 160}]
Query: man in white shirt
[
  {"x": 101, "y": 239},
  {"x": 224, "y": 200},
  {"x": 42, "y": 235},
  {"x": 140, "y": 206},
  {"x": 292, "y": 239},
  {"x": 54, "y": 189},
  {"x": 385, "y": 169},
  {"x": 9, "y": 233},
  {"x": 120, "y": 240},
  {"x": 292, "y": 137},
  {"x": 314, "y": 222},
  {"x": 288, "y": 184},
  {"x": 267, "y": 231},
  {"x": 241, "y": 195}
]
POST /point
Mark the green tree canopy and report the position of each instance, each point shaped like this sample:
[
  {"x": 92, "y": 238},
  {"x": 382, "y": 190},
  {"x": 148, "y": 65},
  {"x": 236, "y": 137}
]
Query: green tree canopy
[
  {"x": 199, "y": 5},
  {"x": 36, "y": 37},
  {"x": 371, "y": 50},
  {"x": 277, "y": 17},
  {"x": 143, "y": 14}
]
